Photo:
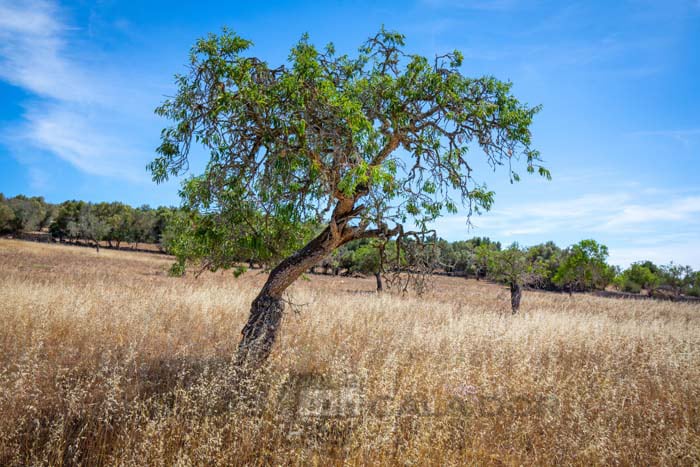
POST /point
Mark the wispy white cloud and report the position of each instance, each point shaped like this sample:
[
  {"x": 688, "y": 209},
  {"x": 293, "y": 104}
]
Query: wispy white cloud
[
  {"x": 636, "y": 225},
  {"x": 630, "y": 216},
  {"x": 32, "y": 52},
  {"x": 81, "y": 111}
]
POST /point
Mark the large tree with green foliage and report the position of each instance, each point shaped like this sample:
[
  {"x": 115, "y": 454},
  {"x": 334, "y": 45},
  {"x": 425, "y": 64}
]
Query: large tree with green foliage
[
  {"x": 584, "y": 267},
  {"x": 636, "y": 277},
  {"x": 326, "y": 138}
]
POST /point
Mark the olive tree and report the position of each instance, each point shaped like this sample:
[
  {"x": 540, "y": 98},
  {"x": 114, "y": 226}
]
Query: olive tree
[
  {"x": 514, "y": 267},
  {"x": 89, "y": 226},
  {"x": 322, "y": 137}
]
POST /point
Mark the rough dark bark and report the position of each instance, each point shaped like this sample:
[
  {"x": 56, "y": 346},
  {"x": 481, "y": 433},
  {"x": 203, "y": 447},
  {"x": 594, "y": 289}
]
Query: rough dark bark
[
  {"x": 260, "y": 331},
  {"x": 378, "y": 276},
  {"x": 515, "y": 295}
]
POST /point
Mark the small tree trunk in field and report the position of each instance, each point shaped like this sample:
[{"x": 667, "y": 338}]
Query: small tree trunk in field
[
  {"x": 515, "y": 295},
  {"x": 260, "y": 332},
  {"x": 97, "y": 245},
  {"x": 378, "y": 276}
]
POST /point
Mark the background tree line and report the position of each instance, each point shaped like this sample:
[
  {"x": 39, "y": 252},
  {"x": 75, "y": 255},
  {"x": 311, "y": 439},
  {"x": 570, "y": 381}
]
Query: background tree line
[
  {"x": 194, "y": 239},
  {"x": 97, "y": 224}
]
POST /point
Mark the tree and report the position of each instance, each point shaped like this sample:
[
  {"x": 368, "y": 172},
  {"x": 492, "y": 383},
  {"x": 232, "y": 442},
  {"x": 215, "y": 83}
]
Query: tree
[
  {"x": 368, "y": 259},
  {"x": 29, "y": 213},
  {"x": 693, "y": 284},
  {"x": 89, "y": 226},
  {"x": 636, "y": 277},
  {"x": 376, "y": 257},
  {"x": 483, "y": 252},
  {"x": 143, "y": 221},
  {"x": 65, "y": 224},
  {"x": 514, "y": 267},
  {"x": 584, "y": 267},
  {"x": 548, "y": 256},
  {"x": 676, "y": 277},
  {"x": 7, "y": 216},
  {"x": 323, "y": 137}
]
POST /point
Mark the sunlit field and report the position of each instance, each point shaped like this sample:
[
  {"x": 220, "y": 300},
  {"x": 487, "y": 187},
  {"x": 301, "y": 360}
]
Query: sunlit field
[{"x": 107, "y": 360}]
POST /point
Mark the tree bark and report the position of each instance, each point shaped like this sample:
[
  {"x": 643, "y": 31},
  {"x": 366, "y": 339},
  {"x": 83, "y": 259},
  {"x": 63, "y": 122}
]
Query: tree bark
[
  {"x": 378, "y": 276},
  {"x": 515, "y": 295},
  {"x": 260, "y": 332}
]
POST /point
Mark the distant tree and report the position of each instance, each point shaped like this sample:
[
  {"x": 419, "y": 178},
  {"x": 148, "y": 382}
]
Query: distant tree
[
  {"x": 89, "y": 226},
  {"x": 368, "y": 260},
  {"x": 7, "y": 216},
  {"x": 482, "y": 255},
  {"x": 65, "y": 223},
  {"x": 317, "y": 138},
  {"x": 584, "y": 267},
  {"x": 163, "y": 216},
  {"x": 118, "y": 217},
  {"x": 376, "y": 257},
  {"x": 514, "y": 267},
  {"x": 29, "y": 213},
  {"x": 676, "y": 277},
  {"x": 693, "y": 284},
  {"x": 143, "y": 221},
  {"x": 467, "y": 257},
  {"x": 548, "y": 256},
  {"x": 637, "y": 277}
]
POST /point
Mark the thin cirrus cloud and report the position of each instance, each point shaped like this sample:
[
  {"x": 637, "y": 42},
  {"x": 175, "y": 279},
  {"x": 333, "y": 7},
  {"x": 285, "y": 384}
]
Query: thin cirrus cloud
[
  {"x": 634, "y": 225},
  {"x": 76, "y": 111}
]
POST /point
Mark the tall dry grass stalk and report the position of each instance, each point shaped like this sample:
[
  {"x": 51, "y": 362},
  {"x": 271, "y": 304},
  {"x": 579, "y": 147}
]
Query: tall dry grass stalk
[{"x": 106, "y": 360}]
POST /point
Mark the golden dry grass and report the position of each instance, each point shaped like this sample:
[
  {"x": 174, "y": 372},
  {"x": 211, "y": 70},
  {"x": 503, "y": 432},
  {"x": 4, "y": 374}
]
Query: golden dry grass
[{"x": 106, "y": 360}]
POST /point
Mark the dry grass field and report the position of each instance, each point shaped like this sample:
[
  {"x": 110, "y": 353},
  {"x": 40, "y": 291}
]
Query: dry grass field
[{"x": 107, "y": 360}]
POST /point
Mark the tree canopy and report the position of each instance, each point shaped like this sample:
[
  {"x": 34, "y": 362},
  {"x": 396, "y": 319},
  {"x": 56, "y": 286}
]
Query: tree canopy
[{"x": 319, "y": 138}]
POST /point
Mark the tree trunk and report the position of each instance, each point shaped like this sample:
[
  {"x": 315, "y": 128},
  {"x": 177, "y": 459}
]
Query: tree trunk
[
  {"x": 97, "y": 245},
  {"x": 378, "y": 276},
  {"x": 515, "y": 295},
  {"x": 259, "y": 333}
]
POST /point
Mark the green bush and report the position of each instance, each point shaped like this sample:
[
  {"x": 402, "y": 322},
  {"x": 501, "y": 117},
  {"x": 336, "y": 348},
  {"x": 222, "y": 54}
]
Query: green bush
[{"x": 631, "y": 286}]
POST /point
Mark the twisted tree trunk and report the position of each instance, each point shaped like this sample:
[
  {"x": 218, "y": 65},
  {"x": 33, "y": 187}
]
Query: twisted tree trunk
[{"x": 260, "y": 332}]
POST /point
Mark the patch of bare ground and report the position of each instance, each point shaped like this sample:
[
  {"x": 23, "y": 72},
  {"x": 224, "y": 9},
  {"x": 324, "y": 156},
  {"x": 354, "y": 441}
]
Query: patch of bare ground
[{"x": 104, "y": 359}]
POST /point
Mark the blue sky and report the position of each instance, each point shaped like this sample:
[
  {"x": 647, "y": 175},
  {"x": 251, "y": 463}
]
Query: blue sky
[{"x": 618, "y": 81}]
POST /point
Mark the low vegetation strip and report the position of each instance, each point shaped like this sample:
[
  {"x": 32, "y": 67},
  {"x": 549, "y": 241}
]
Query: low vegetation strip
[{"x": 105, "y": 359}]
